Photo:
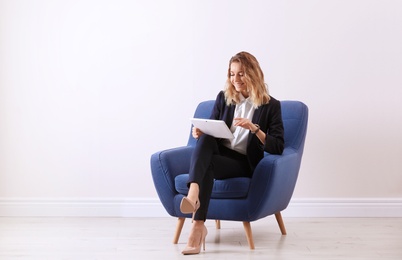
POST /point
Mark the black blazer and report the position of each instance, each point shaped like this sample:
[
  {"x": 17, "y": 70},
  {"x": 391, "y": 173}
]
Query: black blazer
[{"x": 268, "y": 117}]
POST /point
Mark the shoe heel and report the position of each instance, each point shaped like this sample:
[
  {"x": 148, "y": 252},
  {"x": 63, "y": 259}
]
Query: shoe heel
[
  {"x": 187, "y": 206},
  {"x": 204, "y": 235}
]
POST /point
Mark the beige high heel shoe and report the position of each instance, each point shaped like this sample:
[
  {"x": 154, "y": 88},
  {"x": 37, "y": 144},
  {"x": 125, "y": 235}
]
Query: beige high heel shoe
[
  {"x": 197, "y": 249},
  {"x": 187, "y": 206}
]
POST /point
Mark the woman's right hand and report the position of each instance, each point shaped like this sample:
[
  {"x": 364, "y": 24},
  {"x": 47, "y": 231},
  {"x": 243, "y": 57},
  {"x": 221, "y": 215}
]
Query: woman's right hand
[{"x": 197, "y": 132}]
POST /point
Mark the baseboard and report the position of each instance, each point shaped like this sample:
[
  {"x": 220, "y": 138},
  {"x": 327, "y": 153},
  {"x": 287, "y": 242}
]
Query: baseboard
[
  {"x": 142, "y": 207},
  {"x": 151, "y": 207},
  {"x": 345, "y": 207}
]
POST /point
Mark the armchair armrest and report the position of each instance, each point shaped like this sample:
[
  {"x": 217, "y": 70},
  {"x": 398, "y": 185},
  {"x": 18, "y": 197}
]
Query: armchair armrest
[
  {"x": 165, "y": 166},
  {"x": 273, "y": 183}
]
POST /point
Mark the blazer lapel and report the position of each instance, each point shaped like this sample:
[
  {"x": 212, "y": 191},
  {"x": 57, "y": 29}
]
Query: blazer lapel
[
  {"x": 229, "y": 116},
  {"x": 257, "y": 115}
]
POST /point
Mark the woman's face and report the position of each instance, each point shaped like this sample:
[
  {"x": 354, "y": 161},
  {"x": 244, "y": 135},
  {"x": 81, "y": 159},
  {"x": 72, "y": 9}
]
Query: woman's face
[{"x": 236, "y": 78}]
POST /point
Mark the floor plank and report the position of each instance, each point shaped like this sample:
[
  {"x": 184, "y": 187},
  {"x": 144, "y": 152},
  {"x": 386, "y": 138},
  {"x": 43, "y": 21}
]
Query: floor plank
[{"x": 151, "y": 238}]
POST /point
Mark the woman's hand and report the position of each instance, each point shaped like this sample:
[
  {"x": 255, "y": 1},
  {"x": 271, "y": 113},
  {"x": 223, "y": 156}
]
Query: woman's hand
[
  {"x": 197, "y": 132},
  {"x": 243, "y": 122},
  {"x": 247, "y": 124}
]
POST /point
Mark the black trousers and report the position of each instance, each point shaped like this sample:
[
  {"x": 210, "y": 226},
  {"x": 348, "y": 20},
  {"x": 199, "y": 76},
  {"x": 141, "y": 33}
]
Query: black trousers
[{"x": 212, "y": 160}]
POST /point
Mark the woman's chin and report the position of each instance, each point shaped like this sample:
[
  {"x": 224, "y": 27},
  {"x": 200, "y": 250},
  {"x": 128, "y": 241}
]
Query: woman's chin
[{"x": 240, "y": 89}]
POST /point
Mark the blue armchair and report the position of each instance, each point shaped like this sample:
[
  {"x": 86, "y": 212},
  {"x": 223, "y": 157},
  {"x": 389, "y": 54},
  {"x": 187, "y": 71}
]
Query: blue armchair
[{"x": 268, "y": 192}]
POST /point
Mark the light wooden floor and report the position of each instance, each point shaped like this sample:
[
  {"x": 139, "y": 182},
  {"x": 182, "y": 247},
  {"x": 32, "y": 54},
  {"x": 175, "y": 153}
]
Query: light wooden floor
[{"x": 150, "y": 238}]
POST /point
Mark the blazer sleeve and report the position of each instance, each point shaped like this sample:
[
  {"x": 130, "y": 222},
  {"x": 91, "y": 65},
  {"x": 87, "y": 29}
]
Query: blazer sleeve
[
  {"x": 216, "y": 111},
  {"x": 221, "y": 111},
  {"x": 274, "y": 140}
]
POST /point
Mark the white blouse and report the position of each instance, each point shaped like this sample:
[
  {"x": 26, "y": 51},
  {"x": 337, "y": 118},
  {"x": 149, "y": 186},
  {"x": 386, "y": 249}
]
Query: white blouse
[{"x": 244, "y": 109}]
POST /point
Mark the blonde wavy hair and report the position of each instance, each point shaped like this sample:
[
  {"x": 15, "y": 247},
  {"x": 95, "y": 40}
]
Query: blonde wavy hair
[{"x": 253, "y": 77}]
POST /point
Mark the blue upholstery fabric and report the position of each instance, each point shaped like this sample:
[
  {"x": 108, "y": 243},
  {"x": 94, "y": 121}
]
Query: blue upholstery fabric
[
  {"x": 269, "y": 190},
  {"x": 223, "y": 189}
]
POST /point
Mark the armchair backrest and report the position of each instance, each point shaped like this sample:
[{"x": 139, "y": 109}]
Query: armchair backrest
[
  {"x": 294, "y": 116},
  {"x": 203, "y": 110}
]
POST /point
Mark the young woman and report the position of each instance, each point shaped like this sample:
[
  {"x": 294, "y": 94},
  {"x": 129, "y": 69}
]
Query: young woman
[{"x": 254, "y": 117}]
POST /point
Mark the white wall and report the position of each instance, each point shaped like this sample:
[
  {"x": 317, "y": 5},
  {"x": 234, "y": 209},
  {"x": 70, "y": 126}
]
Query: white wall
[{"x": 90, "y": 89}]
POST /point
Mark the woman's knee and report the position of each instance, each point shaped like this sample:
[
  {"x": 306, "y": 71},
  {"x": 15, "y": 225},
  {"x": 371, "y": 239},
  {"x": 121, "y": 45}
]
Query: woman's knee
[{"x": 207, "y": 141}]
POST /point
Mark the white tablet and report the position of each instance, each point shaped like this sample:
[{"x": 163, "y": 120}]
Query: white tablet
[{"x": 216, "y": 128}]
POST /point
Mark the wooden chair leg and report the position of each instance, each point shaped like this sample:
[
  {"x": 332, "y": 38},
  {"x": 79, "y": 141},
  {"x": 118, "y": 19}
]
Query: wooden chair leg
[
  {"x": 279, "y": 219},
  {"x": 249, "y": 234},
  {"x": 179, "y": 227},
  {"x": 218, "y": 224}
]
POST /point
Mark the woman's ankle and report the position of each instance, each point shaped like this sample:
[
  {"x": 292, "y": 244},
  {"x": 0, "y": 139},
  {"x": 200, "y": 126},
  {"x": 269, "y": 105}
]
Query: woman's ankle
[
  {"x": 193, "y": 192},
  {"x": 198, "y": 223}
]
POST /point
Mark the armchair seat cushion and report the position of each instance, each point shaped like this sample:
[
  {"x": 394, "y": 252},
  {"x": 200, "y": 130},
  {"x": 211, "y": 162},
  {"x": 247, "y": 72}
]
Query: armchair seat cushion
[{"x": 232, "y": 188}]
